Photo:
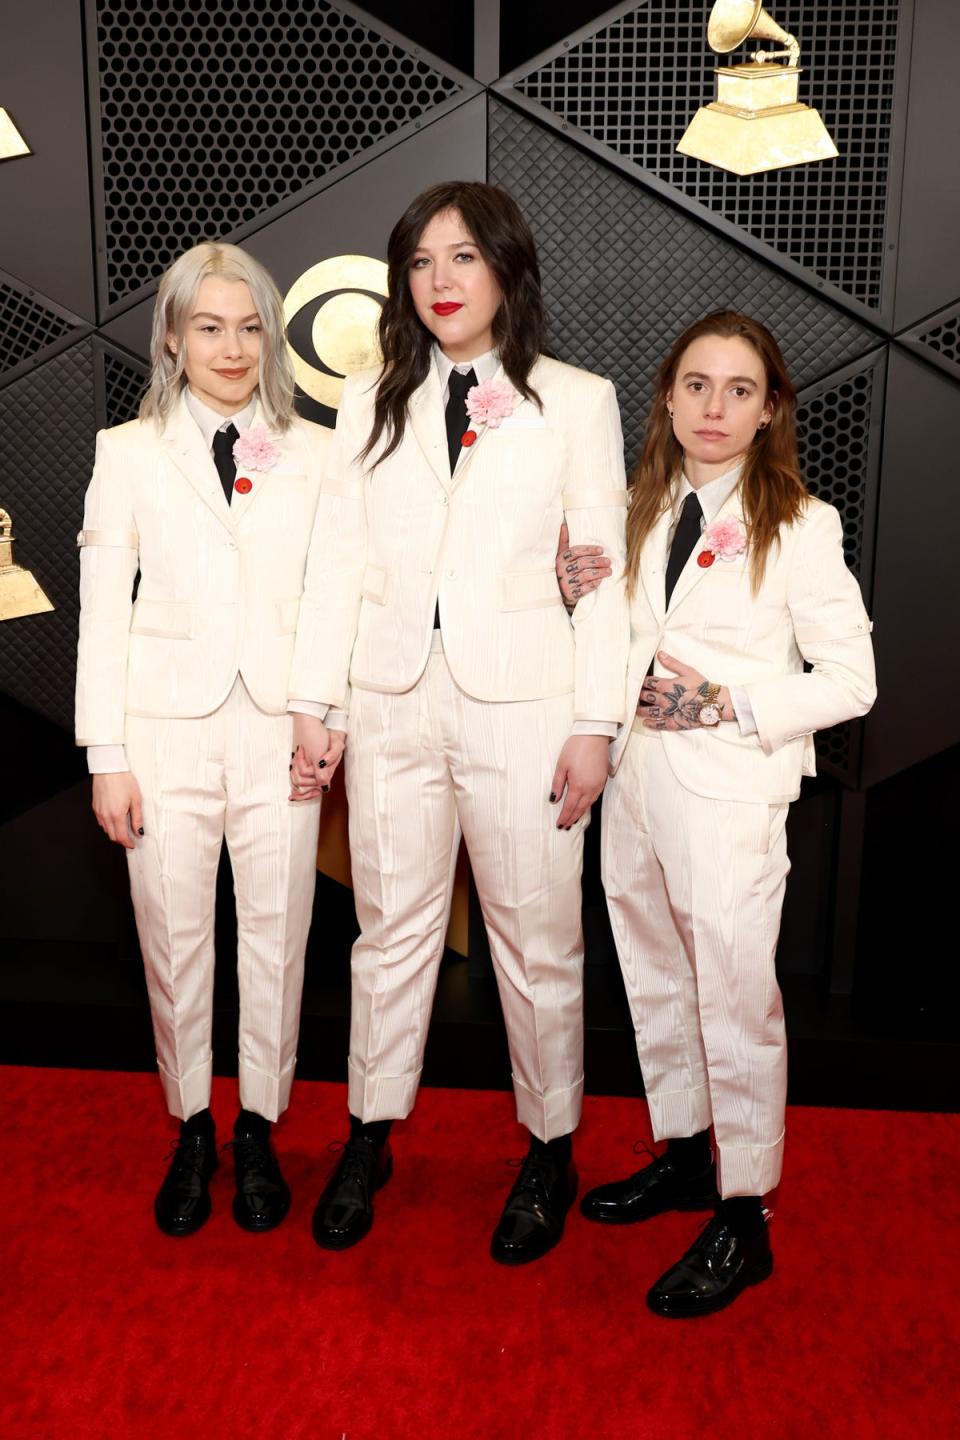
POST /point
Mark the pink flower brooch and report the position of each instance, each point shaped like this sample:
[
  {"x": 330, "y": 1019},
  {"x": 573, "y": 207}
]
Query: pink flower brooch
[
  {"x": 488, "y": 404},
  {"x": 722, "y": 540},
  {"x": 252, "y": 450}
]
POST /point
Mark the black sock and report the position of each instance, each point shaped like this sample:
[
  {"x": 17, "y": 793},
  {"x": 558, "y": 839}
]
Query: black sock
[
  {"x": 744, "y": 1215},
  {"x": 376, "y": 1131},
  {"x": 560, "y": 1149},
  {"x": 248, "y": 1122},
  {"x": 690, "y": 1153},
  {"x": 199, "y": 1124}
]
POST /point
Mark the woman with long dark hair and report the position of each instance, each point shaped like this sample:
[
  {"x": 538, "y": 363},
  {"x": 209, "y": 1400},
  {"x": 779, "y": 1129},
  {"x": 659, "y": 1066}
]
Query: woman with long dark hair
[
  {"x": 455, "y": 465},
  {"x": 736, "y": 578}
]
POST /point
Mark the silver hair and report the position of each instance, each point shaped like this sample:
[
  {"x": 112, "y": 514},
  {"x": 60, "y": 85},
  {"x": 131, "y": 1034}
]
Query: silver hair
[{"x": 175, "y": 299}]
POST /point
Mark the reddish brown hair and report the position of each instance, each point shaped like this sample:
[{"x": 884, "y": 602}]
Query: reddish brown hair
[{"x": 771, "y": 488}]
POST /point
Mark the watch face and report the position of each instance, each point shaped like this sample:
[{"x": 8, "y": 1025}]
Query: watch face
[{"x": 709, "y": 715}]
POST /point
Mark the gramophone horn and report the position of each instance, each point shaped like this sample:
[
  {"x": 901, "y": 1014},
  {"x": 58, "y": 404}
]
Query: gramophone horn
[{"x": 733, "y": 21}]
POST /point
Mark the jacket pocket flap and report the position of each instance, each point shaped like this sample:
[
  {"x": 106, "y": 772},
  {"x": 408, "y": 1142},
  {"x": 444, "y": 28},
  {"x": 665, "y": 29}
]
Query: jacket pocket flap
[
  {"x": 173, "y": 620},
  {"x": 374, "y": 587},
  {"x": 529, "y": 590}
]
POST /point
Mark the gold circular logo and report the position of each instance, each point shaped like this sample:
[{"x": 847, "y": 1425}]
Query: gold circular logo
[{"x": 332, "y": 313}]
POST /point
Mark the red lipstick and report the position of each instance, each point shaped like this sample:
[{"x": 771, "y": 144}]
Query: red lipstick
[{"x": 446, "y": 307}]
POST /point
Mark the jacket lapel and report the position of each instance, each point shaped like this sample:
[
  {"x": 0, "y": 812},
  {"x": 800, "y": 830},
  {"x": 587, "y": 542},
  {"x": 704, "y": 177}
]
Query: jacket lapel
[
  {"x": 241, "y": 505},
  {"x": 653, "y": 564},
  {"x": 467, "y": 454},
  {"x": 692, "y": 573},
  {"x": 427, "y": 423},
  {"x": 186, "y": 448}
]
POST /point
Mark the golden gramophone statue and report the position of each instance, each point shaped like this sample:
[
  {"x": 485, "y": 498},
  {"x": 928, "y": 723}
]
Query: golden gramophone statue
[
  {"x": 19, "y": 592},
  {"x": 756, "y": 122}
]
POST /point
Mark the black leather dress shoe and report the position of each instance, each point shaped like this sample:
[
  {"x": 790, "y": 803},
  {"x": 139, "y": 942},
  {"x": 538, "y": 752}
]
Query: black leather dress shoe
[
  {"x": 533, "y": 1217},
  {"x": 712, "y": 1273},
  {"x": 344, "y": 1211},
  {"x": 262, "y": 1196},
  {"x": 651, "y": 1191},
  {"x": 183, "y": 1200}
]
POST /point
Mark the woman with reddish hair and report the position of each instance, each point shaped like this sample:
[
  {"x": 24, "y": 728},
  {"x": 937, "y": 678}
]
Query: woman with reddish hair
[{"x": 748, "y": 634}]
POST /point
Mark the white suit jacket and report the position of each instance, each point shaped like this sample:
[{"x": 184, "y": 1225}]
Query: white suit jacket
[
  {"x": 808, "y": 608},
  {"x": 390, "y": 540},
  {"x": 219, "y": 585}
]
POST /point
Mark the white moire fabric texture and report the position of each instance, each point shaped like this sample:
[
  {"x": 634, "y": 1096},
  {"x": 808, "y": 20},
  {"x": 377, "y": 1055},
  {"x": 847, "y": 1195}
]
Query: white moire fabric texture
[
  {"x": 193, "y": 678},
  {"x": 694, "y": 843},
  {"x": 466, "y": 739}
]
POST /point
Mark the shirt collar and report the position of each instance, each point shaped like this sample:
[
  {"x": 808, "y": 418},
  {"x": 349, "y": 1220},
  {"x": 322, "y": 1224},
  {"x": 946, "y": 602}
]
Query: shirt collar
[
  {"x": 715, "y": 494},
  {"x": 210, "y": 422},
  {"x": 484, "y": 366}
]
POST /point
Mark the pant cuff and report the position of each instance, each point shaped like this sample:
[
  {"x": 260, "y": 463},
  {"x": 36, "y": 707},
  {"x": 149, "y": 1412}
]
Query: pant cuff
[
  {"x": 749, "y": 1169},
  {"x": 264, "y": 1094},
  {"x": 380, "y": 1097},
  {"x": 677, "y": 1113},
  {"x": 551, "y": 1115},
  {"x": 188, "y": 1094}
]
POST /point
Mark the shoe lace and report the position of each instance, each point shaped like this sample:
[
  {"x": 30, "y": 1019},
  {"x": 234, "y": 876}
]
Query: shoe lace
[
  {"x": 536, "y": 1174},
  {"x": 252, "y": 1154},
  {"x": 355, "y": 1156},
  {"x": 640, "y": 1147},
  {"x": 187, "y": 1156}
]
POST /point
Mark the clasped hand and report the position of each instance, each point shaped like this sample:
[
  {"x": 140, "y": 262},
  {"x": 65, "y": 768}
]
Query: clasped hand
[
  {"x": 667, "y": 704},
  {"x": 317, "y": 752}
]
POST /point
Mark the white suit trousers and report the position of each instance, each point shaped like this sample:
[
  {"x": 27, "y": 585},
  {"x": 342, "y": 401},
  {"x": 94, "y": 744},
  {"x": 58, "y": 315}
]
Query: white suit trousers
[
  {"x": 423, "y": 767},
  {"x": 223, "y": 775},
  {"x": 695, "y": 889}
]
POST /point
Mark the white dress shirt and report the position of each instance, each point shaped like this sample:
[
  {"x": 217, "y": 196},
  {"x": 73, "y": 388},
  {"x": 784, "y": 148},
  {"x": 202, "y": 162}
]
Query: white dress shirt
[
  {"x": 112, "y": 759},
  {"x": 713, "y": 496}
]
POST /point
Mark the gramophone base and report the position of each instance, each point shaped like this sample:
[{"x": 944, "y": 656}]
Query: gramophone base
[
  {"x": 749, "y": 143},
  {"x": 20, "y": 594}
]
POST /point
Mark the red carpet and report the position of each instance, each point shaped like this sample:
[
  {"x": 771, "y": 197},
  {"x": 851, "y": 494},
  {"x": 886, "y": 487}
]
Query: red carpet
[{"x": 112, "y": 1330}]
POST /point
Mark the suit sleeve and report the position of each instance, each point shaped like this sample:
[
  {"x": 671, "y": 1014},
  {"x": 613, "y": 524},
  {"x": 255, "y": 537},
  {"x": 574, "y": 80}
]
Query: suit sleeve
[
  {"x": 336, "y": 560},
  {"x": 109, "y": 557},
  {"x": 832, "y": 632},
  {"x": 594, "y": 505}
]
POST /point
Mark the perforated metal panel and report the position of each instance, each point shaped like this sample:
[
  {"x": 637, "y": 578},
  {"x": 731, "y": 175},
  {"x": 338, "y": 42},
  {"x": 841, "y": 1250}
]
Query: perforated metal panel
[
  {"x": 47, "y": 429},
  {"x": 624, "y": 272},
  {"x": 635, "y": 84},
  {"x": 938, "y": 339},
  {"x": 839, "y": 431},
  {"x": 124, "y": 385},
  {"x": 210, "y": 116},
  {"x": 27, "y": 325}
]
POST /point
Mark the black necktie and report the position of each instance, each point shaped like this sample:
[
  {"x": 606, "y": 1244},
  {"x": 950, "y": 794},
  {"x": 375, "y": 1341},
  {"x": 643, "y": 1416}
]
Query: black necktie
[
  {"x": 685, "y": 538},
  {"x": 456, "y": 412},
  {"x": 223, "y": 443},
  {"x": 456, "y": 418}
]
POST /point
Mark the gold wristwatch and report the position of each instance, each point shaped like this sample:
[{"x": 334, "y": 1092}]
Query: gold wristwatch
[{"x": 708, "y": 711}]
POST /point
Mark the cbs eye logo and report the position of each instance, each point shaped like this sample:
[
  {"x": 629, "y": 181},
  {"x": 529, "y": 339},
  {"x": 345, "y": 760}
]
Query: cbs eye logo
[{"x": 332, "y": 313}]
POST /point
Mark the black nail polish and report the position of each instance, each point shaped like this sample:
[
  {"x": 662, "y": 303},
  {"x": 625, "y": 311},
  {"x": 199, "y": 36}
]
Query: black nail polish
[
  {"x": 321, "y": 764},
  {"x": 325, "y": 789},
  {"x": 553, "y": 798},
  {"x": 289, "y": 767},
  {"x": 140, "y": 831}
]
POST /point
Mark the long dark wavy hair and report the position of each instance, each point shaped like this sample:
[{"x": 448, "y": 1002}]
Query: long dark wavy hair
[
  {"x": 497, "y": 227},
  {"x": 772, "y": 491}
]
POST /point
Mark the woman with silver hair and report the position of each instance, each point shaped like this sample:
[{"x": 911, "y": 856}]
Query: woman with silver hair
[{"x": 182, "y": 699}]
